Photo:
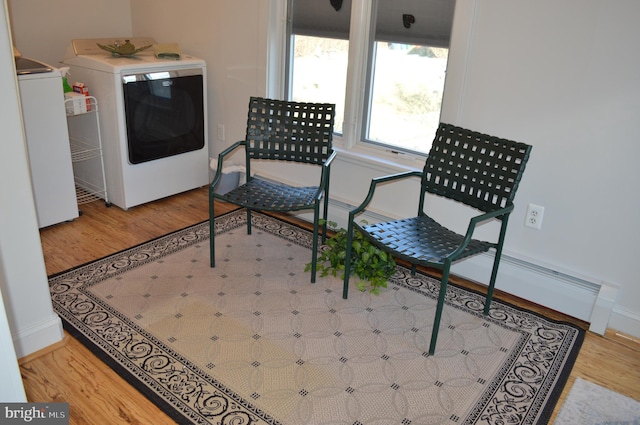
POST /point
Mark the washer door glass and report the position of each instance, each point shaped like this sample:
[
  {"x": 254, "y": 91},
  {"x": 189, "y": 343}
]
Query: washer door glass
[{"x": 165, "y": 117}]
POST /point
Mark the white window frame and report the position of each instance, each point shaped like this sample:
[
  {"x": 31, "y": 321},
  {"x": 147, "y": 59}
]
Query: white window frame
[
  {"x": 350, "y": 143},
  {"x": 359, "y": 37}
]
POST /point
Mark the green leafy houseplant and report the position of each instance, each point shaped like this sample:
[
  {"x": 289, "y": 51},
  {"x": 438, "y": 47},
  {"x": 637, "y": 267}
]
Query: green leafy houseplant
[{"x": 368, "y": 262}]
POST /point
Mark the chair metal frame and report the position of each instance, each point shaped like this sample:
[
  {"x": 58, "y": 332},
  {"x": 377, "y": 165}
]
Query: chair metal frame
[
  {"x": 287, "y": 131},
  {"x": 478, "y": 170}
]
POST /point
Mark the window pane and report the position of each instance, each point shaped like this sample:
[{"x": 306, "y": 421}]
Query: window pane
[
  {"x": 320, "y": 72},
  {"x": 408, "y": 81}
]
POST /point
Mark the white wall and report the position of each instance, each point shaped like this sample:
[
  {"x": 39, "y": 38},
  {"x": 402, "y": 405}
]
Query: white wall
[
  {"x": 11, "y": 389},
  {"x": 230, "y": 36},
  {"x": 564, "y": 77},
  {"x": 42, "y": 29},
  {"x": 27, "y": 309},
  {"x": 561, "y": 75}
]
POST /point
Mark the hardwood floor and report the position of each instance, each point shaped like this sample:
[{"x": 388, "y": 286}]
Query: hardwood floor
[{"x": 68, "y": 372}]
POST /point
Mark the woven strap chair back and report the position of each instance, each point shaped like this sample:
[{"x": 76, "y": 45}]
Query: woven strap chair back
[
  {"x": 290, "y": 131},
  {"x": 479, "y": 170}
]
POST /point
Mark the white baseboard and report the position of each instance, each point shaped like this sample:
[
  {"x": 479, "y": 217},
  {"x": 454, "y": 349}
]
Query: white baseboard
[
  {"x": 625, "y": 321},
  {"x": 36, "y": 337}
]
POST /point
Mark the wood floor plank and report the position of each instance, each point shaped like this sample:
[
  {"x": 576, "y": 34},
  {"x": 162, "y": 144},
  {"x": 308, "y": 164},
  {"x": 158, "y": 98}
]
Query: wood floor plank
[{"x": 98, "y": 395}]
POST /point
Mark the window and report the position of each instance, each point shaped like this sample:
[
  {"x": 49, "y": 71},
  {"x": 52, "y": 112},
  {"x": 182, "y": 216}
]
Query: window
[
  {"x": 320, "y": 72},
  {"x": 386, "y": 75},
  {"x": 319, "y": 53}
]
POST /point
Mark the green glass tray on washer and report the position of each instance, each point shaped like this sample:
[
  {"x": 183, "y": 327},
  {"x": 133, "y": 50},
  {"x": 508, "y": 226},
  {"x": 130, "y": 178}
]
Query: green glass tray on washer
[{"x": 126, "y": 49}]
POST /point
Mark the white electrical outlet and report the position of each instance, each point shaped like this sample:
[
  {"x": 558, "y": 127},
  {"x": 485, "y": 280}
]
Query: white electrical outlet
[{"x": 534, "y": 216}]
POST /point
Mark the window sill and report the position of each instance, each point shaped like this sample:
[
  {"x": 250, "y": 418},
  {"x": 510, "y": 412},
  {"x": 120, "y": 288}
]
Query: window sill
[{"x": 378, "y": 158}]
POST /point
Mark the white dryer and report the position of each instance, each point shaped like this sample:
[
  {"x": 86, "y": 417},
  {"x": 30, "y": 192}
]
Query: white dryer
[{"x": 153, "y": 118}]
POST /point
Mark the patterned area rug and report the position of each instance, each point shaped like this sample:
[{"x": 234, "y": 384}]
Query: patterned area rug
[
  {"x": 252, "y": 341},
  {"x": 591, "y": 404}
]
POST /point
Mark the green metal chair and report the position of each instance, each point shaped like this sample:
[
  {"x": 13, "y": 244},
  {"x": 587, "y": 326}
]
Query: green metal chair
[
  {"x": 475, "y": 169},
  {"x": 287, "y": 132}
]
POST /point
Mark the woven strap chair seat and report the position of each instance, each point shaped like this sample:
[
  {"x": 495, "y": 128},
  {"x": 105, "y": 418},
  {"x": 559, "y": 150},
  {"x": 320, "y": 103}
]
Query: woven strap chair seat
[
  {"x": 263, "y": 195},
  {"x": 422, "y": 240}
]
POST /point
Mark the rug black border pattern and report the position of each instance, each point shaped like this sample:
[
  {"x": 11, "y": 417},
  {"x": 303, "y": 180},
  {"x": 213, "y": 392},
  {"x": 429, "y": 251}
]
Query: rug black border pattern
[
  {"x": 199, "y": 398},
  {"x": 510, "y": 397}
]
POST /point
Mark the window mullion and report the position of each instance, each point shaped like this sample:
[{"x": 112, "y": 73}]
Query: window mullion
[
  {"x": 278, "y": 49},
  {"x": 360, "y": 38}
]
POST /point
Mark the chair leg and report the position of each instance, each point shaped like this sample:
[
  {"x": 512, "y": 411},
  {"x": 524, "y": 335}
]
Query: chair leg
[
  {"x": 496, "y": 263},
  {"x": 314, "y": 245},
  {"x": 324, "y": 217},
  {"x": 492, "y": 282},
  {"x": 212, "y": 231},
  {"x": 248, "y": 221},
  {"x": 441, "y": 297},
  {"x": 347, "y": 261}
]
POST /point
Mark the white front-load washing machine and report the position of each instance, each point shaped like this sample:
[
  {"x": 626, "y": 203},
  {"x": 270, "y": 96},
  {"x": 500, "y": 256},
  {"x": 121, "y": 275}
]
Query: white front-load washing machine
[{"x": 153, "y": 118}]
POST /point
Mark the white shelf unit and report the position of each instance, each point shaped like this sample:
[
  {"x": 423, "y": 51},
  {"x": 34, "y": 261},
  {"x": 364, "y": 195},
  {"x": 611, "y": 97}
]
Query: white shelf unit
[{"x": 86, "y": 151}]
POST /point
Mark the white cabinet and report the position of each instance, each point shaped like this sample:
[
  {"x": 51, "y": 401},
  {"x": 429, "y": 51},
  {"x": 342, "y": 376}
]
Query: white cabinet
[
  {"x": 43, "y": 115},
  {"x": 86, "y": 150}
]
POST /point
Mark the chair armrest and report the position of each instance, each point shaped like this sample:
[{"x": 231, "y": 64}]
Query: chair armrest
[
  {"x": 329, "y": 160},
  {"x": 380, "y": 180},
  {"x": 324, "y": 176},
  {"x": 221, "y": 157},
  {"x": 488, "y": 216},
  {"x": 474, "y": 222}
]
